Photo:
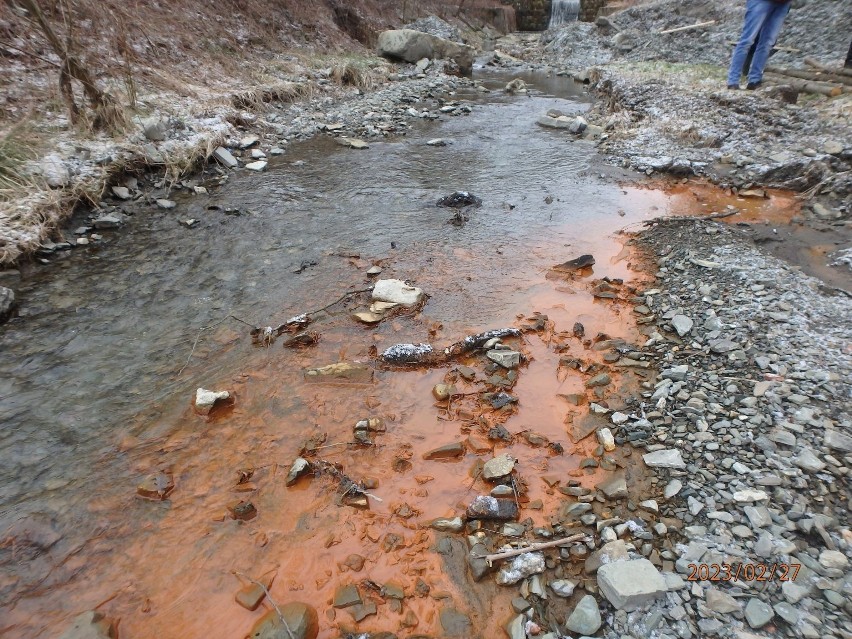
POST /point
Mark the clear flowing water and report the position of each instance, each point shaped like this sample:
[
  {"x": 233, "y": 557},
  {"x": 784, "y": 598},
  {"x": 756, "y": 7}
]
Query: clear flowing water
[{"x": 94, "y": 395}]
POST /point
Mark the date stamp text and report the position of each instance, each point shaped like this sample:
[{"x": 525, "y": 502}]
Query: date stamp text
[{"x": 743, "y": 572}]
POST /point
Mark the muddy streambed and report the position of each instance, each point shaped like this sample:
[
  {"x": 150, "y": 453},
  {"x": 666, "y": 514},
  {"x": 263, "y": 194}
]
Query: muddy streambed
[{"x": 95, "y": 388}]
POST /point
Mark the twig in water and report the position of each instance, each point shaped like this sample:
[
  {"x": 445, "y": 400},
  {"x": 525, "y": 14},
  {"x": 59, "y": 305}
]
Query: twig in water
[
  {"x": 198, "y": 337},
  {"x": 271, "y": 600}
]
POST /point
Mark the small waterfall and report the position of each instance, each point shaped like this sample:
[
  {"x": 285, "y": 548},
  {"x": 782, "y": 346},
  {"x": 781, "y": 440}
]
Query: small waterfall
[{"x": 562, "y": 11}]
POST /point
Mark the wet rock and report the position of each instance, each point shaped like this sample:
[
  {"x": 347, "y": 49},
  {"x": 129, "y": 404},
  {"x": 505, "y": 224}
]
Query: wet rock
[
  {"x": 606, "y": 439},
  {"x": 251, "y": 596},
  {"x": 368, "y": 317},
  {"x": 454, "y": 623},
  {"x": 353, "y": 143},
  {"x": 506, "y": 359},
  {"x": 516, "y": 87},
  {"x": 360, "y": 612},
  {"x": 258, "y": 166},
  {"x": 346, "y": 596},
  {"x": 601, "y": 379},
  {"x": 300, "y": 467},
  {"x": 443, "y": 392},
  {"x": 492, "y": 508},
  {"x": 342, "y": 371},
  {"x": 7, "y": 303},
  {"x": 502, "y": 491},
  {"x": 397, "y": 292},
  {"x": 456, "y": 524},
  {"x": 614, "y": 487},
  {"x": 558, "y": 122},
  {"x": 300, "y": 621},
  {"x": 407, "y": 353},
  {"x": 106, "y": 222},
  {"x": 666, "y": 458},
  {"x": 498, "y": 467},
  {"x": 205, "y": 400},
  {"x": 157, "y": 486},
  {"x": 479, "y": 567},
  {"x": 224, "y": 157},
  {"x": 758, "y": 613},
  {"x": 586, "y": 617},
  {"x": 411, "y": 46},
  {"x": 521, "y": 567},
  {"x": 242, "y": 510},
  {"x": 437, "y": 142},
  {"x": 631, "y": 584},
  {"x": 584, "y": 261},
  {"x": 448, "y": 451},
  {"x": 90, "y": 625},
  {"x": 501, "y": 399},
  {"x": 459, "y": 199}
]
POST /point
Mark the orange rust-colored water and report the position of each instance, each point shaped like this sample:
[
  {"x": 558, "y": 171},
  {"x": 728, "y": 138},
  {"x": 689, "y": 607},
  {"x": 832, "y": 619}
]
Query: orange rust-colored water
[{"x": 166, "y": 569}]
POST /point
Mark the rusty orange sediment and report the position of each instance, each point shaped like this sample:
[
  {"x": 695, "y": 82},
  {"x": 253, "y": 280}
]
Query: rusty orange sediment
[{"x": 167, "y": 568}]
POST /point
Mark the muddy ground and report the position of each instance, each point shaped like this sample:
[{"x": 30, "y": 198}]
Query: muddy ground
[{"x": 681, "y": 404}]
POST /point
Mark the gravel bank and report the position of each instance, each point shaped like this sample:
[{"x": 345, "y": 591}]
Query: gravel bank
[{"x": 754, "y": 393}]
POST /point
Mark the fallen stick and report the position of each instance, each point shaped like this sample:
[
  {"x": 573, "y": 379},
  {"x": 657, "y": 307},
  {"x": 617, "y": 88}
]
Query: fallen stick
[
  {"x": 813, "y": 76},
  {"x": 497, "y": 556},
  {"x": 820, "y": 88},
  {"x": 818, "y": 65},
  {"x": 690, "y": 26},
  {"x": 690, "y": 218}
]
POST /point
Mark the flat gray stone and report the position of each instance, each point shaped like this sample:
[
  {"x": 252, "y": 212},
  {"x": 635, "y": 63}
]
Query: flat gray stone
[
  {"x": 614, "y": 487},
  {"x": 682, "y": 324},
  {"x": 627, "y": 585},
  {"x": 223, "y": 156},
  {"x": 506, "y": 359},
  {"x": 722, "y": 602},
  {"x": 666, "y": 458},
  {"x": 758, "y": 613}
]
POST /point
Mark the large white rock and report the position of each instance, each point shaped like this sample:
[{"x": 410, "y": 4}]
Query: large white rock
[
  {"x": 412, "y": 46},
  {"x": 498, "y": 467},
  {"x": 631, "y": 584},
  {"x": 55, "y": 172},
  {"x": 667, "y": 458},
  {"x": 206, "y": 399},
  {"x": 521, "y": 567},
  {"x": 397, "y": 292}
]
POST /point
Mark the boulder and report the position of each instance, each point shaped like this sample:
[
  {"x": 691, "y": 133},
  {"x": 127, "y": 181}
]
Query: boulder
[
  {"x": 206, "y": 399},
  {"x": 397, "y": 292},
  {"x": 631, "y": 584},
  {"x": 411, "y": 46}
]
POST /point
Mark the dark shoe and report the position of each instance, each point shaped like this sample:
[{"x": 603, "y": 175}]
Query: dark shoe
[
  {"x": 734, "y": 87},
  {"x": 751, "y": 86}
]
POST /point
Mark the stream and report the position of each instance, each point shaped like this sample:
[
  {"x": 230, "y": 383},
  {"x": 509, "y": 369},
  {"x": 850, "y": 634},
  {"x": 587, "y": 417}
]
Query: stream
[{"x": 99, "y": 372}]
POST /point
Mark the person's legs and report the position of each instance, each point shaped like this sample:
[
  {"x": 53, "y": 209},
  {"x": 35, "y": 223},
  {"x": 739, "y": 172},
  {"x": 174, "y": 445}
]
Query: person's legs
[
  {"x": 756, "y": 12},
  {"x": 768, "y": 35}
]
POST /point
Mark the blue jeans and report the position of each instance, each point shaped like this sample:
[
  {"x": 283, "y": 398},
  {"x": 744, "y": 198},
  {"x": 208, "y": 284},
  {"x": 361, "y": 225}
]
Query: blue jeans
[{"x": 763, "y": 20}]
